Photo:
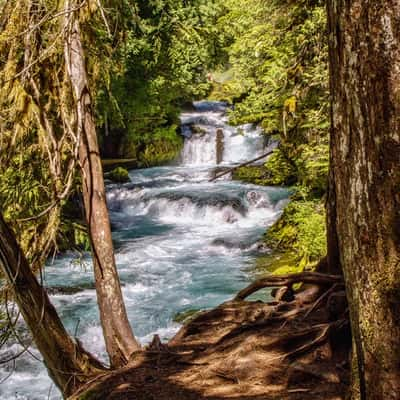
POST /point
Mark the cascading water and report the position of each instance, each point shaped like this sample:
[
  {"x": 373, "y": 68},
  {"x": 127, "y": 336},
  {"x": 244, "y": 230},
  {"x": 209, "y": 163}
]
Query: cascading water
[
  {"x": 182, "y": 244},
  {"x": 211, "y": 140}
]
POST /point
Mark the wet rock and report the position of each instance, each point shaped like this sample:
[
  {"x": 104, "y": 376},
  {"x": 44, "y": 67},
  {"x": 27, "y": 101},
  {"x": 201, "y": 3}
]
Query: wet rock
[
  {"x": 224, "y": 243},
  {"x": 262, "y": 248},
  {"x": 69, "y": 290},
  {"x": 229, "y": 217},
  {"x": 257, "y": 199},
  {"x": 198, "y": 130},
  {"x": 118, "y": 175}
]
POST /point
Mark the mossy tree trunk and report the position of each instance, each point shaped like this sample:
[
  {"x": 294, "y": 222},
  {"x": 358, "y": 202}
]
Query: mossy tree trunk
[
  {"x": 364, "y": 200},
  {"x": 119, "y": 338},
  {"x": 69, "y": 365}
]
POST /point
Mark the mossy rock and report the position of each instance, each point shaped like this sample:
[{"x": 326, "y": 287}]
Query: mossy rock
[
  {"x": 198, "y": 130},
  {"x": 118, "y": 175}
]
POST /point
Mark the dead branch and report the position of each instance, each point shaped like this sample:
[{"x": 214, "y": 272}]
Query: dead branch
[{"x": 240, "y": 165}]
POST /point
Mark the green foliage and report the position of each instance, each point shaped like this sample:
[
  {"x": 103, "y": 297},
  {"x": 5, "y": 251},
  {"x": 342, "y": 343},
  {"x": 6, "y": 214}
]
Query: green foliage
[
  {"x": 168, "y": 50},
  {"x": 118, "y": 175},
  {"x": 280, "y": 169},
  {"x": 257, "y": 175},
  {"x": 74, "y": 235},
  {"x": 161, "y": 146},
  {"x": 143, "y": 58},
  {"x": 278, "y": 58},
  {"x": 278, "y": 77},
  {"x": 312, "y": 168},
  {"x": 300, "y": 229}
]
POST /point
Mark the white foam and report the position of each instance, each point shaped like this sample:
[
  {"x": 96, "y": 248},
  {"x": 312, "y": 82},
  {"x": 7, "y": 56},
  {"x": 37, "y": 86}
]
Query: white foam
[
  {"x": 164, "y": 333},
  {"x": 167, "y": 225}
]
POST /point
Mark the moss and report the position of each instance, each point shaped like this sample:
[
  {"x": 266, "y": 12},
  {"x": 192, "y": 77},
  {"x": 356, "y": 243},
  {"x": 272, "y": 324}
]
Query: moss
[
  {"x": 301, "y": 229},
  {"x": 186, "y": 316},
  {"x": 111, "y": 163},
  {"x": 118, "y": 175},
  {"x": 312, "y": 164},
  {"x": 161, "y": 147},
  {"x": 256, "y": 175},
  {"x": 277, "y": 171},
  {"x": 277, "y": 263},
  {"x": 73, "y": 235},
  {"x": 198, "y": 130}
]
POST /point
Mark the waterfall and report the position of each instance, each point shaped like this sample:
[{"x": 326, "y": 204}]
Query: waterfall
[
  {"x": 210, "y": 140},
  {"x": 181, "y": 243}
]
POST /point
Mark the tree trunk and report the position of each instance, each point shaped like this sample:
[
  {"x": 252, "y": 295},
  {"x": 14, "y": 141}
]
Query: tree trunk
[
  {"x": 68, "y": 364},
  {"x": 365, "y": 182},
  {"x": 119, "y": 338}
]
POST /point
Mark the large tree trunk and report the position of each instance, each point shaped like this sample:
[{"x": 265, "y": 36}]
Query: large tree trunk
[
  {"x": 365, "y": 182},
  {"x": 68, "y": 364},
  {"x": 119, "y": 338}
]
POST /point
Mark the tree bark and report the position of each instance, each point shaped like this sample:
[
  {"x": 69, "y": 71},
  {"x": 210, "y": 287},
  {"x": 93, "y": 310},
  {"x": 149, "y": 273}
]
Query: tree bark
[
  {"x": 68, "y": 364},
  {"x": 118, "y": 335},
  {"x": 364, "y": 204}
]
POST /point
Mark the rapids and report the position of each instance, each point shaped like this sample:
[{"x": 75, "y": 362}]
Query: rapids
[{"x": 181, "y": 242}]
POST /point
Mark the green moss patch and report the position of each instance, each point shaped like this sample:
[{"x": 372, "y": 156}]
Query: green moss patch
[
  {"x": 301, "y": 230},
  {"x": 186, "y": 316},
  {"x": 119, "y": 175}
]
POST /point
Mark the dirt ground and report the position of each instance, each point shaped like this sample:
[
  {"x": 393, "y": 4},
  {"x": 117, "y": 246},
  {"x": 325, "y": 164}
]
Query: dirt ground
[{"x": 291, "y": 349}]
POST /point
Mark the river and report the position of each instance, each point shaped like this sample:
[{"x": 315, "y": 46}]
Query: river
[{"x": 182, "y": 243}]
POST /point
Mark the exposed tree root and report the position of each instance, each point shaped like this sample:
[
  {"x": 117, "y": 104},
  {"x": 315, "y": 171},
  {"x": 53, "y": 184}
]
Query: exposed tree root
[
  {"x": 315, "y": 278},
  {"x": 286, "y": 350}
]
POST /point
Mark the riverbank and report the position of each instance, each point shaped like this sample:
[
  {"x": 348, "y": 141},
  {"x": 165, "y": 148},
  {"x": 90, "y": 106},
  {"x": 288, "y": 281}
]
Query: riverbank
[
  {"x": 284, "y": 350},
  {"x": 298, "y": 238},
  {"x": 181, "y": 243}
]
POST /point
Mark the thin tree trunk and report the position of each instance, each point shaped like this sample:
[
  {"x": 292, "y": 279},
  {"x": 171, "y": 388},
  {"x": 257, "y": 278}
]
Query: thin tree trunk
[
  {"x": 365, "y": 182},
  {"x": 68, "y": 364},
  {"x": 119, "y": 338}
]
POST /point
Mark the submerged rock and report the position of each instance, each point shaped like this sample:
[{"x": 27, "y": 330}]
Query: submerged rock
[
  {"x": 69, "y": 290},
  {"x": 257, "y": 199}
]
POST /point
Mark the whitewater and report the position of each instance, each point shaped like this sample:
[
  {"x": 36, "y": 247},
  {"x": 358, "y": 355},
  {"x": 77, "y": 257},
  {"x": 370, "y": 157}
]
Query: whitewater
[{"x": 182, "y": 243}]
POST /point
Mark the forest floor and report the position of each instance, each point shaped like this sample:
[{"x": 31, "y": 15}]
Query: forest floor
[{"x": 296, "y": 348}]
